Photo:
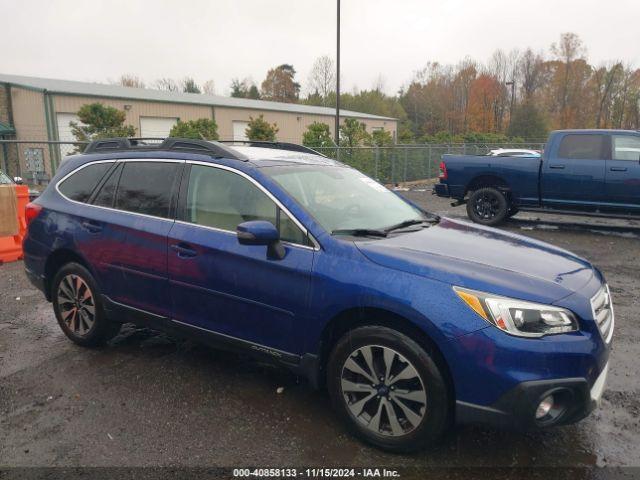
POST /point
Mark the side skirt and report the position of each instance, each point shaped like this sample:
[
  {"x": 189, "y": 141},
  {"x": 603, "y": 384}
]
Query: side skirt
[{"x": 306, "y": 365}]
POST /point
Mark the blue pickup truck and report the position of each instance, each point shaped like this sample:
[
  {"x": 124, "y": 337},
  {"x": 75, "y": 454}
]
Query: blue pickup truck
[{"x": 595, "y": 172}]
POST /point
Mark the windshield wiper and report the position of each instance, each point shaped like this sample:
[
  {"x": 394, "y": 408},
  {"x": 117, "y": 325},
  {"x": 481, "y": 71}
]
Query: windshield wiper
[
  {"x": 360, "y": 232},
  {"x": 405, "y": 224}
]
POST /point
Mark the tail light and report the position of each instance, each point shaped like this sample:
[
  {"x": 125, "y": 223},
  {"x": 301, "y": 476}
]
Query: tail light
[
  {"x": 443, "y": 171},
  {"x": 31, "y": 211}
]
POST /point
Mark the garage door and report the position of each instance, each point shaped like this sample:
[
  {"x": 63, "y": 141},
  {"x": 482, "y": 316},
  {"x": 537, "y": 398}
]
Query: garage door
[
  {"x": 239, "y": 129},
  {"x": 64, "y": 130},
  {"x": 156, "y": 126}
]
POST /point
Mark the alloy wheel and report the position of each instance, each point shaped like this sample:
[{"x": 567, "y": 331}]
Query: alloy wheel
[
  {"x": 383, "y": 390},
  {"x": 76, "y": 304},
  {"x": 487, "y": 206}
]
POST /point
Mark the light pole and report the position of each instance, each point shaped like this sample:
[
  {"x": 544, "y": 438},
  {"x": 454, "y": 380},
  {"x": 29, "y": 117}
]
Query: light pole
[
  {"x": 511, "y": 84},
  {"x": 337, "y": 127}
]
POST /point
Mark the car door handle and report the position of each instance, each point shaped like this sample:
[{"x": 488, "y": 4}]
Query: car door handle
[
  {"x": 183, "y": 250},
  {"x": 91, "y": 226},
  {"x": 557, "y": 167},
  {"x": 618, "y": 169}
]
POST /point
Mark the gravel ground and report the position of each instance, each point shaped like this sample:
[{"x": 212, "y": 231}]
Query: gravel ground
[{"x": 150, "y": 400}]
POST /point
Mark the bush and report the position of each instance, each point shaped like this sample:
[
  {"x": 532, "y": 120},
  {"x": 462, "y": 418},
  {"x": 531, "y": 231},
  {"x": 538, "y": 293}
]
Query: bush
[
  {"x": 260, "y": 129},
  {"x": 318, "y": 135},
  {"x": 202, "y": 129}
]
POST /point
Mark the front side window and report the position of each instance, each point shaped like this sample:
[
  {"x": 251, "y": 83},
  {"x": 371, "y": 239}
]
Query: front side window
[
  {"x": 341, "y": 198},
  {"x": 222, "y": 199},
  {"x": 146, "y": 188},
  {"x": 81, "y": 184},
  {"x": 583, "y": 147},
  {"x": 626, "y": 147}
]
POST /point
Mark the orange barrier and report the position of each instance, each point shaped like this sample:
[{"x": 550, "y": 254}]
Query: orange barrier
[{"x": 11, "y": 246}]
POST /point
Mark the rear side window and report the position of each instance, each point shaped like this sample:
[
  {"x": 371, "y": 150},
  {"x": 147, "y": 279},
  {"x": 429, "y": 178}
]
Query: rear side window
[
  {"x": 626, "y": 147},
  {"x": 146, "y": 187},
  {"x": 81, "y": 184},
  {"x": 583, "y": 147}
]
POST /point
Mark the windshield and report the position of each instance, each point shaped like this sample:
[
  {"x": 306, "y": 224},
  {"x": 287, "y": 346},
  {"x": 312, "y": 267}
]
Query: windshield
[
  {"x": 4, "y": 180},
  {"x": 342, "y": 198}
]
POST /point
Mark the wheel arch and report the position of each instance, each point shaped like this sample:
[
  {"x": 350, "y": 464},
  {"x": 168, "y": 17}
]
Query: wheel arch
[
  {"x": 353, "y": 318},
  {"x": 487, "y": 180},
  {"x": 56, "y": 260}
]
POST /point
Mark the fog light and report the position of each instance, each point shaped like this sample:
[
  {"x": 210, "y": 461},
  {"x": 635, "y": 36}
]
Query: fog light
[{"x": 544, "y": 407}]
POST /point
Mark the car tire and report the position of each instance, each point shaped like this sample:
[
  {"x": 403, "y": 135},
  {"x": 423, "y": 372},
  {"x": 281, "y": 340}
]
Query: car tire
[
  {"x": 487, "y": 206},
  {"x": 78, "y": 307},
  {"x": 401, "y": 414}
]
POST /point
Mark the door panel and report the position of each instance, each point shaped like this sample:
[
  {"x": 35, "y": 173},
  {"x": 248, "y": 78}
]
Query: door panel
[
  {"x": 623, "y": 172},
  {"x": 576, "y": 176},
  {"x": 137, "y": 220},
  {"x": 228, "y": 288},
  {"x": 234, "y": 289}
]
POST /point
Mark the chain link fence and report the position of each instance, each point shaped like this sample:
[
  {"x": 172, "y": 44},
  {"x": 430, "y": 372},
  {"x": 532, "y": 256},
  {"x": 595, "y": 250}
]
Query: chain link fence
[
  {"x": 36, "y": 161},
  {"x": 411, "y": 163}
]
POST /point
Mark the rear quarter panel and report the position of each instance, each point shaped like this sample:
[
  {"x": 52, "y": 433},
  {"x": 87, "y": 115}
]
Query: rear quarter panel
[{"x": 520, "y": 174}]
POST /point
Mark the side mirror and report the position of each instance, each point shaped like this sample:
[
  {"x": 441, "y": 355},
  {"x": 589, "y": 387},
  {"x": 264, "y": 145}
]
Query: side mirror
[
  {"x": 261, "y": 232},
  {"x": 18, "y": 180}
]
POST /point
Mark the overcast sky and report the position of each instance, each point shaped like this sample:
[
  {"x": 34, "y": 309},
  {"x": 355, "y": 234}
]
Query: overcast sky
[{"x": 96, "y": 40}]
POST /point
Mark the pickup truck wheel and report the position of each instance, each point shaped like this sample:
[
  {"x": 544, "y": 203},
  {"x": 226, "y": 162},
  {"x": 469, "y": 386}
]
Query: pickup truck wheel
[
  {"x": 487, "y": 206},
  {"x": 387, "y": 389}
]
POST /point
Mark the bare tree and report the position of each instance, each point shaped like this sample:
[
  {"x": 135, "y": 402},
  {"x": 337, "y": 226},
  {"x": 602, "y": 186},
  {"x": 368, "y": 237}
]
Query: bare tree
[
  {"x": 322, "y": 78},
  {"x": 568, "y": 51},
  {"x": 166, "y": 84},
  {"x": 531, "y": 70},
  {"x": 129, "y": 80},
  {"x": 209, "y": 87}
]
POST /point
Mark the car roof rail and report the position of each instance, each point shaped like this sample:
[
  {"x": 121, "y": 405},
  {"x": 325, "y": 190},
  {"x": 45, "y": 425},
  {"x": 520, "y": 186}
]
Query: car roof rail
[
  {"x": 171, "y": 144},
  {"x": 293, "y": 147}
]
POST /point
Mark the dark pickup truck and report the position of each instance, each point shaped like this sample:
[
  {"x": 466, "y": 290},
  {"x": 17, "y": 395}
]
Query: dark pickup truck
[{"x": 594, "y": 172}]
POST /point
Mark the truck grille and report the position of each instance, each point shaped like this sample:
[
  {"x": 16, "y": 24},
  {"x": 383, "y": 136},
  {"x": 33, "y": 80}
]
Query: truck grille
[{"x": 603, "y": 312}]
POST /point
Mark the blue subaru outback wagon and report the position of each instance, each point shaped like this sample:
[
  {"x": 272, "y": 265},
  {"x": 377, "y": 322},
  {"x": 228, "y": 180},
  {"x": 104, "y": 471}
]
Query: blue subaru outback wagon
[{"x": 412, "y": 322}]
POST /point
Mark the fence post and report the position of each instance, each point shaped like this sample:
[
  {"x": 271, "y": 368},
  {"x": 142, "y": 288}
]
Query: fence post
[
  {"x": 429, "y": 162},
  {"x": 404, "y": 176},
  {"x": 377, "y": 157}
]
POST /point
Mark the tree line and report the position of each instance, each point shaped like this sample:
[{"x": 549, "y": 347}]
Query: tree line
[{"x": 513, "y": 95}]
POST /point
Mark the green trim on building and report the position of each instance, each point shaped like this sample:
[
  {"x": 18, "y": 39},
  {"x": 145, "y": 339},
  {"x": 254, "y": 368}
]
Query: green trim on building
[
  {"x": 47, "y": 118},
  {"x": 6, "y": 129}
]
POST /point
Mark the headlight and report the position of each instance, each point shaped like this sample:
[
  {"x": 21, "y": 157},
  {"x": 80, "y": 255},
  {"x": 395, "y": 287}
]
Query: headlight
[{"x": 517, "y": 317}]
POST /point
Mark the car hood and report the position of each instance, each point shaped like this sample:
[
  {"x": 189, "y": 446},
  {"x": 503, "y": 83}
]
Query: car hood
[{"x": 485, "y": 259}]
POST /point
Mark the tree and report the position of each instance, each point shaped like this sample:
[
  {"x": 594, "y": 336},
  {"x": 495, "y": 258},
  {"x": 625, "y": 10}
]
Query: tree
[
  {"x": 528, "y": 123},
  {"x": 244, "y": 89},
  {"x": 380, "y": 138},
  {"x": 280, "y": 86},
  {"x": 568, "y": 51},
  {"x": 166, "y": 84},
  {"x": 128, "y": 80},
  {"x": 100, "y": 121},
  {"x": 353, "y": 133},
  {"x": 317, "y": 135},
  {"x": 322, "y": 79},
  {"x": 202, "y": 129},
  {"x": 189, "y": 85},
  {"x": 209, "y": 87},
  {"x": 259, "y": 129}
]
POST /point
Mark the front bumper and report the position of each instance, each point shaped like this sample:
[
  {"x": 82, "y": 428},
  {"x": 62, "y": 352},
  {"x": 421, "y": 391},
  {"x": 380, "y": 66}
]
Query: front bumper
[{"x": 516, "y": 409}]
